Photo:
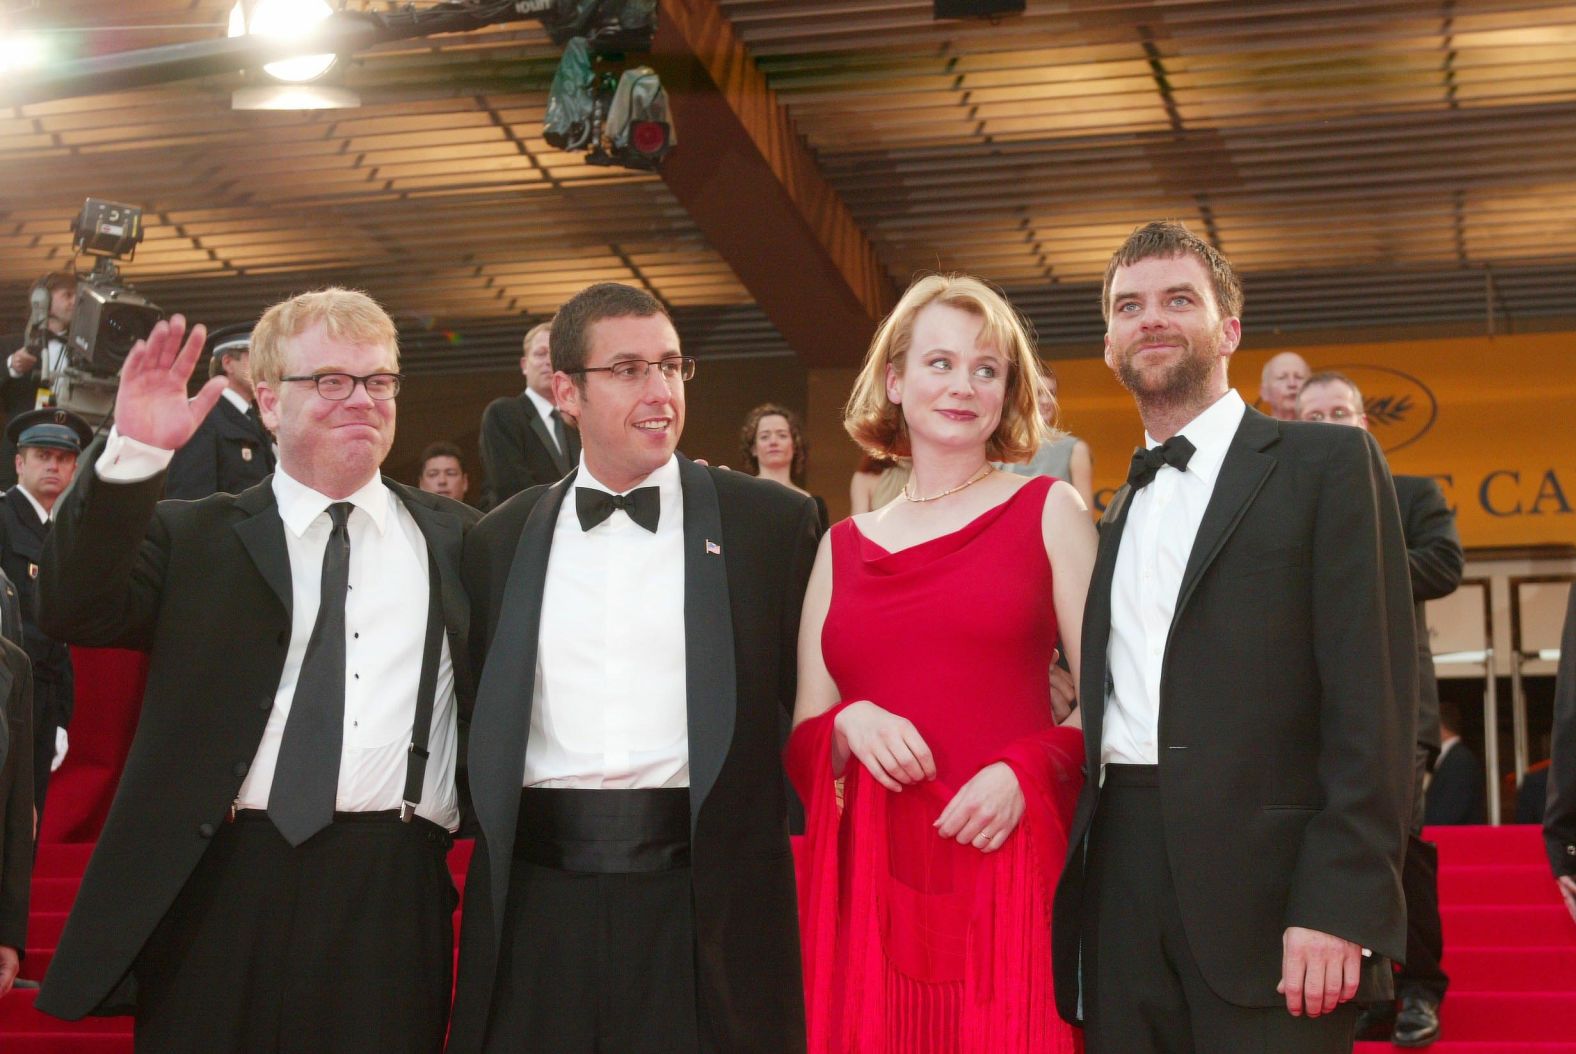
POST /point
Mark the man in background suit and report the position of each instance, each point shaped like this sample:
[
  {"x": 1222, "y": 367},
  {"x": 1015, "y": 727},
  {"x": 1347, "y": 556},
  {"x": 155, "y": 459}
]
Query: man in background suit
[
  {"x": 524, "y": 441},
  {"x": 1436, "y": 561},
  {"x": 272, "y": 874},
  {"x": 1455, "y": 790},
  {"x": 231, "y": 450},
  {"x": 47, "y": 442},
  {"x": 1559, "y": 815},
  {"x": 632, "y": 888},
  {"x": 23, "y": 377},
  {"x": 1248, "y": 684}
]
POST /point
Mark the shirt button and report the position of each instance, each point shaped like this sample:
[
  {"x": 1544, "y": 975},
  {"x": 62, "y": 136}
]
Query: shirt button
[
  {"x": 241, "y": 768},
  {"x": 205, "y": 830},
  {"x": 265, "y": 703}
]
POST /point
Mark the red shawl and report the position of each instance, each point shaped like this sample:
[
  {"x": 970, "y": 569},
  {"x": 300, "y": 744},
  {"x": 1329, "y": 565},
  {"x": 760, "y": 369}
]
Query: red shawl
[{"x": 912, "y": 943}]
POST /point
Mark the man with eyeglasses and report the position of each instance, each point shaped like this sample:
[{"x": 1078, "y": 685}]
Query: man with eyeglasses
[
  {"x": 272, "y": 875},
  {"x": 632, "y": 888}
]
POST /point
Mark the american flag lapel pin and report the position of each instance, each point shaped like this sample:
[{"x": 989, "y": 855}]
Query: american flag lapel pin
[{"x": 712, "y": 548}]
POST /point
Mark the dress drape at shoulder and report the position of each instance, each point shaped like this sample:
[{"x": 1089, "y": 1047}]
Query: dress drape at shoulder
[{"x": 912, "y": 943}]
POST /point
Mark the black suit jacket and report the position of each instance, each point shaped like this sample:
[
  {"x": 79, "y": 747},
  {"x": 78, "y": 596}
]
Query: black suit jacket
[
  {"x": 16, "y": 795},
  {"x": 17, "y": 396},
  {"x": 1287, "y": 700},
  {"x": 1559, "y": 815},
  {"x": 22, "y": 537},
  {"x": 517, "y": 451},
  {"x": 1433, "y": 550},
  {"x": 1455, "y": 792},
  {"x": 741, "y": 620},
  {"x": 229, "y": 452},
  {"x": 204, "y": 587}
]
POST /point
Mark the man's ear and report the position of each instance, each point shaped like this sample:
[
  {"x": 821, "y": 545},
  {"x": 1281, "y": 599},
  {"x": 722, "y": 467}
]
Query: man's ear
[
  {"x": 267, "y": 405},
  {"x": 567, "y": 395}
]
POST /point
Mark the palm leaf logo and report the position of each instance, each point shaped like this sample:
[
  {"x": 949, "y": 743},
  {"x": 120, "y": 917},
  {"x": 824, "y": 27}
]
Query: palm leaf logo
[{"x": 1388, "y": 409}]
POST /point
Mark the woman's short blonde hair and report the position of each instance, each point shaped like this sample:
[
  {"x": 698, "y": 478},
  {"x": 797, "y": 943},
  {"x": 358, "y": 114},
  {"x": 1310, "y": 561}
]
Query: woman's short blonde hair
[
  {"x": 877, "y": 424},
  {"x": 347, "y": 315}
]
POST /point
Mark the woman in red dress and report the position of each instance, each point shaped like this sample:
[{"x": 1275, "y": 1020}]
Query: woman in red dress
[{"x": 937, "y": 779}]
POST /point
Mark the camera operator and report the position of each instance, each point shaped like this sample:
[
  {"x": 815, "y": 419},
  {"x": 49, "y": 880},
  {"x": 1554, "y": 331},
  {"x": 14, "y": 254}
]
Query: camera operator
[
  {"x": 20, "y": 384},
  {"x": 47, "y": 442}
]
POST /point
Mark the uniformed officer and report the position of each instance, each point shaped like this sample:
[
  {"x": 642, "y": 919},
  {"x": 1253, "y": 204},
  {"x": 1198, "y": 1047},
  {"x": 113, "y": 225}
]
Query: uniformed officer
[
  {"x": 47, "y": 443},
  {"x": 231, "y": 450}
]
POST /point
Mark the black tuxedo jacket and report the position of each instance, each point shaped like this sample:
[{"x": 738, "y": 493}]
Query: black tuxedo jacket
[
  {"x": 1287, "y": 699},
  {"x": 517, "y": 451},
  {"x": 1559, "y": 815},
  {"x": 229, "y": 452},
  {"x": 22, "y": 537},
  {"x": 1433, "y": 550},
  {"x": 1455, "y": 793},
  {"x": 16, "y": 794},
  {"x": 741, "y": 621},
  {"x": 205, "y": 588}
]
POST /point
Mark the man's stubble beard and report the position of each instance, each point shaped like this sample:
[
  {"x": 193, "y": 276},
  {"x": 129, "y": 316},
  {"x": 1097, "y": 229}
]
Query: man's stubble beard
[{"x": 1184, "y": 384}]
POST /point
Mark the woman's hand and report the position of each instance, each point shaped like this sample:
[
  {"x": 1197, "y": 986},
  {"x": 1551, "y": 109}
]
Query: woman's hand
[
  {"x": 888, "y": 745},
  {"x": 985, "y": 810}
]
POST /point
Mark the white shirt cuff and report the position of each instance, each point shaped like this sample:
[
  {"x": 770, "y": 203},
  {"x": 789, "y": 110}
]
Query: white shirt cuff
[{"x": 127, "y": 460}]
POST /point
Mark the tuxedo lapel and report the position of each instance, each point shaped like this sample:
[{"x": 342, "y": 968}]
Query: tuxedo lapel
[
  {"x": 539, "y": 429},
  {"x": 1242, "y": 473},
  {"x": 709, "y": 662},
  {"x": 502, "y": 718},
  {"x": 263, "y": 535}
]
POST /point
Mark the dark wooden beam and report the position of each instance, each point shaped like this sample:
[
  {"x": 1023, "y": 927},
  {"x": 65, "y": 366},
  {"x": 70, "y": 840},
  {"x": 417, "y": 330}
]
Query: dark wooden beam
[{"x": 757, "y": 193}]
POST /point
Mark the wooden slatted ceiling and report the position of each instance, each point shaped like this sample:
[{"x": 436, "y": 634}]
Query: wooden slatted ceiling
[{"x": 1363, "y": 163}]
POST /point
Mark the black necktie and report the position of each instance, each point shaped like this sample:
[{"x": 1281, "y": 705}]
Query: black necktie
[
  {"x": 1176, "y": 452},
  {"x": 558, "y": 432},
  {"x": 306, "y": 776},
  {"x": 594, "y": 506}
]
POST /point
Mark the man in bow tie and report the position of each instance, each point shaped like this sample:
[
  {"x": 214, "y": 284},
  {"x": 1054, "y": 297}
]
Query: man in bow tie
[
  {"x": 632, "y": 888},
  {"x": 1249, "y": 690}
]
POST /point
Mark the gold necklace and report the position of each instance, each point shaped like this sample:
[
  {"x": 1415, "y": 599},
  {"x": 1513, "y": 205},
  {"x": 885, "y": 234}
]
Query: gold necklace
[{"x": 984, "y": 471}]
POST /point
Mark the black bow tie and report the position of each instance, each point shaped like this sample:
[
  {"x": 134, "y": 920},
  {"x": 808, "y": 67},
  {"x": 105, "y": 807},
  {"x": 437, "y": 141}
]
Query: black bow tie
[
  {"x": 1176, "y": 452},
  {"x": 594, "y": 506}
]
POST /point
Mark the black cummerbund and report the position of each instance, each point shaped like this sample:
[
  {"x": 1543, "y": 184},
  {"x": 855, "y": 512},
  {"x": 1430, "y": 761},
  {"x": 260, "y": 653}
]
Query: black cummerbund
[{"x": 604, "y": 831}]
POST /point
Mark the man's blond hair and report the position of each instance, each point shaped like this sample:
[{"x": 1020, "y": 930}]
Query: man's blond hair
[{"x": 347, "y": 315}]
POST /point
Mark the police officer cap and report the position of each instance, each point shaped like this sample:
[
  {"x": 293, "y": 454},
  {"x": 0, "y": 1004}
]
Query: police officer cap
[
  {"x": 229, "y": 339},
  {"x": 49, "y": 427}
]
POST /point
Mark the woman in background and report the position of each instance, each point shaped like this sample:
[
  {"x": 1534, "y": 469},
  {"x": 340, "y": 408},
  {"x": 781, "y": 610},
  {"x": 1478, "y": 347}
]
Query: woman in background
[
  {"x": 773, "y": 447},
  {"x": 925, "y": 888}
]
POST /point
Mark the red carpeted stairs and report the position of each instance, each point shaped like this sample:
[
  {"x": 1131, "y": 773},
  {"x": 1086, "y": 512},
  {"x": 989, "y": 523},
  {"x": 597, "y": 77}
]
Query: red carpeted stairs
[{"x": 1510, "y": 950}]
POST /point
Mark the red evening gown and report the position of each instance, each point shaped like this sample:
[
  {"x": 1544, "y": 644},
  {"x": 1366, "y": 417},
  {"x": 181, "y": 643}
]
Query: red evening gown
[{"x": 914, "y": 944}]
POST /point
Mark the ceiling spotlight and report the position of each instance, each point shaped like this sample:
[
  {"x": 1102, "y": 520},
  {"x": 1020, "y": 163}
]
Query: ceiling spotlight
[
  {"x": 20, "y": 52},
  {"x": 284, "y": 20}
]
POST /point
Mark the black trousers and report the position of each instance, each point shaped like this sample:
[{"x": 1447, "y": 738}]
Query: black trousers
[
  {"x": 1142, "y": 988},
  {"x": 1425, "y": 937},
  {"x": 598, "y": 951},
  {"x": 342, "y": 944}
]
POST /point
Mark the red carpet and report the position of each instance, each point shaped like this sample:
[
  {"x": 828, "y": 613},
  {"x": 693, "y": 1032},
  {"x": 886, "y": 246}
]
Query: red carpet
[{"x": 1510, "y": 950}]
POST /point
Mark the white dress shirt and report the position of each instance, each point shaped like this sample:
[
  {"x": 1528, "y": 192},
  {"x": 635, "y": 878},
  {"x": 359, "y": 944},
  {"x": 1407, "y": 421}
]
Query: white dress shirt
[
  {"x": 1156, "y": 542},
  {"x": 385, "y": 635},
  {"x": 610, "y": 708},
  {"x": 544, "y": 409},
  {"x": 237, "y": 400}
]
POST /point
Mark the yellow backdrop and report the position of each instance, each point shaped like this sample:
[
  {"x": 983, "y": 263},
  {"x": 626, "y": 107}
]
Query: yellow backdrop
[{"x": 1491, "y": 418}]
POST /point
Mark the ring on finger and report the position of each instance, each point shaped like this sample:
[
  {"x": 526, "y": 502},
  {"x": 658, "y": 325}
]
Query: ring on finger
[{"x": 982, "y": 841}]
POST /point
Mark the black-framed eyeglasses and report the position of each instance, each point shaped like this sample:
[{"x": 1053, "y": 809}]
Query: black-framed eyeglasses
[
  {"x": 634, "y": 371},
  {"x": 336, "y": 387}
]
